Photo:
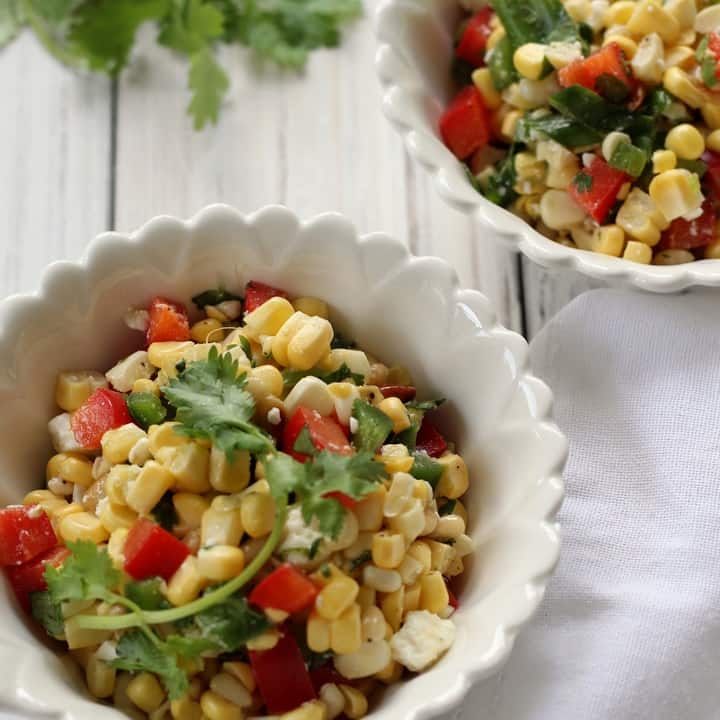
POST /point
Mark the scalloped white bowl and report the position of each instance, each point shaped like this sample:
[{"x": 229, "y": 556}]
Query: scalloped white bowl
[
  {"x": 413, "y": 62},
  {"x": 400, "y": 307}
]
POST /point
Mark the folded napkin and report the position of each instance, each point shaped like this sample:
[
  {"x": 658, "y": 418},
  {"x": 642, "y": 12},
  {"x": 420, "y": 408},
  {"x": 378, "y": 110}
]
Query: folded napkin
[{"x": 630, "y": 625}]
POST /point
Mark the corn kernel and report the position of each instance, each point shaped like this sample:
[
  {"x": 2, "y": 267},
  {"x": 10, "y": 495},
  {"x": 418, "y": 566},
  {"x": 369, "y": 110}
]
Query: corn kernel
[
  {"x": 186, "y": 583},
  {"x": 366, "y": 597},
  {"x": 190, "y": 508},
  {"x": 611, "y": 240},
  {"x": 77, "y": 637},
  {"x": 220, "y": 527},
  {"x": 258, "y": 514},
  {"x": 356, "y": 360},
  {"x": 231, "y": 688},
  {"x": 391, "y": 673},
  {"x": 269, "y": 317},
  {"x": 433, "y": 592},
  {"x": 265, "y": 641},
  {"x": 216, "y": 707},
  {"x": 189, "y": 465},
  {"x": 369, "y": 510},
  {"x": 663, "y": 160},
  {"x": 165, "y": 435},
  {"x": 185, "y": 709},
  {"x": 226, "y": 476},
  {"x": 346, "y": 631},
  {"x": 638, "y": 252},
  {"x": 100, "y": 677},
  {"x": 333, "y": 700},
  {"x": 116, "y": 546},
  {"x": 395, "y": 458},
  {"x": 70, "y": 467},
  {"x": 395, "y": 409},
  {"x": 114, "y": 517},
  {"x": 145, "y": 691},
  {"x": 673, "y": 257},
  {"x": 312, "y": 710},
  {"x": 677, "y": 82},
  {"x": 441, "y": 556},
  {"x": 484, "y": 83},
  {"x": 166, "y": 355},
  {"x": 388, "y": 549},
  {"x": 392, "y": 606},
  {"x": 412, "y": 597},
  {"x": 207, "y": 330},
  {"x": 707, "y": 19},
  {"x": 311, "y": 306},
  {"x": 676, "y": 193},
  {"x": 680, "y": 56},
  {"x": 309, "y": 344},
  {"x": 686, "y": 141},
  {"x": 117, "y": 443},
  {"x": 509, "y": 124},
  {"x": 144, "y": 385},
  {"x": 220, "y": 562},
  {"x": 243, "y": 672},
  {"x": 619, "y": 13},
  {"x": 151, "y": 484},
  {"x": 82, "y": 526},
  {"x": 381, "y": 579},
  {"x": 454, "y": 481},
  {"x": 650, "y": 17},
  {"x": 639, "y": 216},
  {"x": 318, "y": 633},
  {"x": 496, "y": 36},
  {"x": 73, "y": 388},
  {"x": 712, "y": 251},
  {"x": 356, "y": 704},
  {"x": 529, "y": 60},
  {"x": 336, "y": 597},
  {"x": 626, "y": 44},
  {"x": 411, "y": 522},
  {"x": 711, "y": 115}
]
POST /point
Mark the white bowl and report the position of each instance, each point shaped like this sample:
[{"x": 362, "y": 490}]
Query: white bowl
[
  {"x": 413, "y": 62},
  {"x": 403, "y": 308}
]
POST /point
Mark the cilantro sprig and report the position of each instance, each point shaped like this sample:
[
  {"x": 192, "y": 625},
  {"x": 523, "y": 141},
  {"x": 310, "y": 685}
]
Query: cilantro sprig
[{"x": 99, "y": 35}]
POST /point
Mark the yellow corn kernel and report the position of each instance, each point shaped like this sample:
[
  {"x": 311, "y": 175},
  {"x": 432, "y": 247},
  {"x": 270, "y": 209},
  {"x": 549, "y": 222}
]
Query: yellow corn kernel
[
  {"x": 366, "y": 597},
  {"x": 100, "y": 677},
  {"x": 82, "y": 526},
  {"x": 639, "y": 216},
  {"x": 73, "y": 388},
  {"x": 216, "y": 707},
  {"x": 310, "y": 344},
  {"x": 373, "y": 625},
  {"x": 619, "y": 13},
  {"x": 116, "y": 546},
  {"x": 311, "y": 306},
  {"x": 391, "y": 673},
  {"x": 336, "y": 597},
  {"x": 165, "y": 355},
  {"x": 393, "y": 605},
  {"x": 388, "y": 549},
  {"x": 226, "y": 476},
  {"x": 146, "y": 692},
  {"x": 508, "y": 123},
  {"x": 269, "y": 317},
  {"x": 676, "y": 193},
  {"x": 381, "y": 579},
  {"x": 257, "y": 512},
  {"x": 59, "y": 513},
  {"x": 333, "y": 700},
  {"x": 454, "y": 481},
  {"x": 483, "y": 81},
  {"x": 221, "y": 562},
  {"x": 46, "y": 499},
  {"x": 441, "y": 555},
  {"x": 611, "y": 241},
  {"x": 395, "y": 458},
  {"x": 356, "y": 360},
  {"x": 495, "y": 37},
  {"x": 680, "y": 56},
  {"x": 677, "y": 82},
  {"x": 221, "y": 527},
  {"x": 356, "y": 704},
  {"x": 70, "y": 467},
  {"x": 231, "y": 688},
  {"x": 186, "y": 583},
  {"x": 684, "y": 11},
  {"x": 433, "y": 592},
  {"x": 153, "y": 481},
  {"x": 650, "y": 17},
  {"x": 312, "y": 710},
  {"x": 411, "y": 522},
  {"x": 529, "y": 60},
  {"x": 713, "y": 141},
  {"x": 686, "y": 141},
  {"x": 143, "y": 385},
  {"x": 673, "y": 257},
  {"x": 207, "y": 330},
  {"x": 412, "y": 597},
  {"x": 114, "y": 517},
  {"x": 265, "y": 641},
  {"x": 369, "y": 510},
  {"x": 318, "y": 633},
  {"x": 190, "y": 509},
  {"x": 117, "y": 443},
  {"x": 164, "y": 436},
  {"x": 185, "y": 709},
  {"x": 189, "y": 465},
  {"x": 326, "y": 573},
  {"x": 346, "y": 631},
  {"x": 243, "y": 672},
  {"x": 395, "y": 409},
  {"x": 712, "y": 251},
  {"x": 420, "y": 551},
  {"x": 663, "y": 160},
  {"x": 627, "y": 45},
  {"x": 638, "y": 252},
  {"x": 264, "y": 381},
  {"x": 77, "y": 637},
  {"x": 118, "y": 481},
  {"x": 711, "y": 115}
]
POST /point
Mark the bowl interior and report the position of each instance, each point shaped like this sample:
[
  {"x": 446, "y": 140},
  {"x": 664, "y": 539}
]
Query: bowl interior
[{"x": 406, "y": 311}]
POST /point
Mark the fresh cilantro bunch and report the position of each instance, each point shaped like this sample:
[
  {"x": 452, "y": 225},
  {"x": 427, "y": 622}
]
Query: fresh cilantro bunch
[{"x": 99, "y": 34}]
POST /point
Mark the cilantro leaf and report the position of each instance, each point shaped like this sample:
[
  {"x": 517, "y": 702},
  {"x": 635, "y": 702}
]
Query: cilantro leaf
[
  {"x": 284, "y": 474},
  {"x": 304, "y": 443},
  {"x": 47, "y": 613},
  {"x": 329, "y": 512},
  {"x": 292, "y": 377},
  {"x": 361, "y": 559},
  {"x": 213, "y": 297},
  {"x": 583, "y": 182},
  {"x": 231, "y": 624},
  {"x": 164, "y": 512},
  {"x": 87, "y": 574},
  {"x": 189, "y": 646},
  {"x": 373, "y": 428},
  {"x": 190, "y": 25},
  {"x": 212, "y": 403},
  {"x": 138, "y": 653},
  {"x": 146, "y": 594},
  {"x": 448, "y": 508},
  {"x": 209, "y": 83},
  {"x": 12, "y": 18},
  {"x": 424, "y": 405}
]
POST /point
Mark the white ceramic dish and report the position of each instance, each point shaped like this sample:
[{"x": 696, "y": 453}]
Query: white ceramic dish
[
  {"x": 413, "y": 62},
  {"x": 400, "y": 307}
]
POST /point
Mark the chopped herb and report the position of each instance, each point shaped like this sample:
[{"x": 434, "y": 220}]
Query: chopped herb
[
  {"x": 231, "y": 624},
  {"x": 500, "y": 186},
  {"x": 536, "y": 21},
  {"x": 304, "y": 444},
  {"x": 292, "y": 377},
  {"x": 424, "y": 405},
  {"x": 164, "y": 512},
  {"x": 364, "y": 557},
  {"x": 146, "y": 594},
  {"x": 316, "y": 660},
  {"x": 583, "y": 182},
  {"x": 340, "y": 342},
  {"x": 500, "y": 63},
  {"x": 448, "y": 508},
  {"x": 612, "y": 88},
  {"x": 373, "y": 428},
  {"x": 563, "y": 130},
  {"x": 48, "y": 613},
  {"x": 245, "y": 345},
  {"x": 589, "y": 109},
  {"x": 213, "y": 297},
  {"x": 314, "y": 548}
]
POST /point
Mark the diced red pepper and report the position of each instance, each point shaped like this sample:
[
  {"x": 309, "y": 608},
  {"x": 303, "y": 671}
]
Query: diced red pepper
[
  {"x": 30, "y": 577},
  {"x": 465, "y": 125},
  {"x": 712, "y": 177},
  {"x": 345, "y": 500},
  {"x": 687, "y": 235},
  {"x": 714, "y": 48},
  {"x": 430, "y": 440},
  {"x": 598, "y": 189},
  {"x": 327, "y": 674},
  {"x": 281, "y": 675},
  {"x": 151, "y": 551},
  {"x": 325, "y": 433},
  {"x": 102, "y": 411},
  {"x": 403, "y": 392},
  {"x": 285, "y": 589},
  {"x": 25, "y": 533},
  {"x": 452, "y": 600},
  {"x": 473, "y": 42},
  {"x": 168, "y": 321},
  {"x": 609, "y": 60},
  {"x": 257, "y": 293}
]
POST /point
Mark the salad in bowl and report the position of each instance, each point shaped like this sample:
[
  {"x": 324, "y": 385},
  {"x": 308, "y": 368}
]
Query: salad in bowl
[{"x": 245, "y": 496}]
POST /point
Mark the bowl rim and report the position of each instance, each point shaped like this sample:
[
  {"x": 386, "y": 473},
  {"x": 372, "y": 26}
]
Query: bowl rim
[
  {"x": 403, "y": 88},
  {"x": 522, "y": 596}
]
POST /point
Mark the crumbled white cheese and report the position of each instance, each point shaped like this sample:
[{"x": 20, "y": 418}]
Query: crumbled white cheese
[
  {"x": 354, "y": 425},
  {"x": 107, "y": 651},
  {"x": 78, "y": 493},
  {"x": 100, "y": 468},
  {"x": 58, "y": 486},
  {"x": 137, "y": 319},
  {"x": 274, "y": 417},
  {"x": 423, "y": 638},
  {"x": 33, "y": 512},
  {"x": 300, "y": 539},
  {"x": 140, "y": 452},
  {"x": 102, "y": 503},
  {"x": 61, "y": 434},
  {"x": 134, "y": 367}
]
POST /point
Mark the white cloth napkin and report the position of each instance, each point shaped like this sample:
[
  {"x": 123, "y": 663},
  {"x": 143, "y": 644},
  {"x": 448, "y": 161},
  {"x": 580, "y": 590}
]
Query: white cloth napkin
[{"x": 630, "y": 626}]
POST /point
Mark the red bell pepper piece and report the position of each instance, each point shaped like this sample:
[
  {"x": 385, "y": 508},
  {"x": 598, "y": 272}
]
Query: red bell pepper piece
[
  {"x": 473, "y": 42},
  {"x": 596, "y": 188},
  {"x": 686, "y": 235},
  {"x": 168, "y": 321},
  {"x": 345, "y": 500},
  {"x": 465, "y": 125},
  {"x": 25, "y": 533},
  {"x": 151, "y": 551},
  {"x": 30, "y": 577},
  {"x": 403, "y": 392},
  {"x": 714, "y": 48},
  {"x": 430, "y": 440},
  {"x": 257, "y": 293},
  {"x": 712, "y": 177},
  {"x": 102, "y": 411},
  {"x": 325, "y": 433},
  {"x": 609, "y": 60},
  {"x": 452, "y": 600},
  {"x": 285, "y": 589},
  {"x": 281, "y": 675}
]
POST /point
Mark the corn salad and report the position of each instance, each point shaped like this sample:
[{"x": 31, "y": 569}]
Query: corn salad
[
  {"x": 178, "y": 548},
  {"x": 597, "y": 122}
]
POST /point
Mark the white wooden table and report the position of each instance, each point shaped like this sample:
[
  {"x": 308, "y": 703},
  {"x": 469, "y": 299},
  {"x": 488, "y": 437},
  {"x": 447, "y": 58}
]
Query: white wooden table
[{"x": 81, "y": 154}]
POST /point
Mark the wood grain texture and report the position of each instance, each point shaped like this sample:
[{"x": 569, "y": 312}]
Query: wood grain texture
[
  {"x": 55, "y": 167},
  {"x": 315, "y": 142}
]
